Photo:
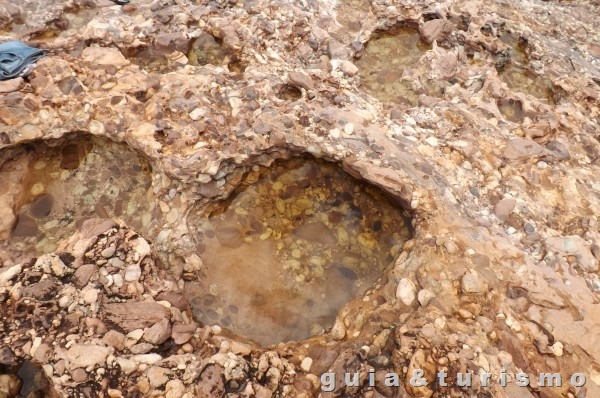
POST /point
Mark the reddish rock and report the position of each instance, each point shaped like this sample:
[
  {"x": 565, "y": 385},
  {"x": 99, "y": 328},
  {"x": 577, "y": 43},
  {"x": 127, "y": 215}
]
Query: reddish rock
[
  {"x": 301, "y": 80},
  {"x": 159, "y": 332},
  {"x": 436, "y": 29},
  {"x": 135, "y": 315}
]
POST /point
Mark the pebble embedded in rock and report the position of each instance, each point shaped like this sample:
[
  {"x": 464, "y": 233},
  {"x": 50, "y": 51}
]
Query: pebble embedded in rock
[
  {"x": 133, "y": 273},
  {"x": 472, "y": 283},
  {"x": 306, "y": 364},
  {"x": 425, "y": 296},
  {"x": 159, "y": 332},
  {"x": 126, "y": 365},
  {"x": 158, "y": 376},
  {"x": 142, "y": 247},
  {"x": 519, "y": 150},
  {"x": 436, "y": 29},
  {"x": 141, "y": 348},
  {"x": 338, "y": 331},
  {"x": 503, "y": 208},
  {"x": 148, "y": 359},
  {"x": 79, "y": 375},
  {"x": 348, "y": 68},
  {"x": 174, "y": 389},
  {"x": 83, "y": 274},
  {"x": 406, "y": 291},
  {"x": 9, "y": 273},
  {"x": 8, "y": 86},
  {"x": 10, "y": 385},
  {"x": 90, "y": 296},
  {"x": 300, "y": 79},
  {"x": 84, "y": 355},
  {"x": 114, "y": 339},
  {"x": 108, "y": 252}
]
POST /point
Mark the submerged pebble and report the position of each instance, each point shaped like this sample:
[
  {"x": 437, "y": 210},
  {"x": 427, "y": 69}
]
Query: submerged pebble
[{"x": 317, "y": 244}]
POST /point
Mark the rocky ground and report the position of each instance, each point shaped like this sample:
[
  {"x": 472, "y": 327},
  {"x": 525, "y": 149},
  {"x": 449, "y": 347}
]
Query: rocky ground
[{"x": 493, "y": 154}]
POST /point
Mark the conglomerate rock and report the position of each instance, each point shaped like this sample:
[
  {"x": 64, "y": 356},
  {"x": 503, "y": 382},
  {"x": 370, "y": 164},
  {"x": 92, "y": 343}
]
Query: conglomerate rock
[{"x": 498, "y": 170}]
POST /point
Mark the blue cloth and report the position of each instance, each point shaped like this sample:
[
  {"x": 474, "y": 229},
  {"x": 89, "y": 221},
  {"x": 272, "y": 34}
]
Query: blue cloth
[{"x": 16, "y": 57}]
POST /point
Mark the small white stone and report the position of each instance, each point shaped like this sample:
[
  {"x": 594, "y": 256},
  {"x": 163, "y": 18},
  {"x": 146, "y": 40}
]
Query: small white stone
[
  {"x": 348, "y": 128},
  {"x": 348, "y": 68},
  {"x": 133, "y": 273},
  {"x": 35, "y": 345},
  {"x": 90, "y": 296},
  {"x": 174, "y": 389},
  {"x": 57, "y": 266},
  {"x": 432, "y": 141},
  {"x": 306, "y": 364},
  {"x": 126, "y": 365},
  {"x": 148, "y": 359},
  {"x": 65, "y": 301},
  {"x": 142, "y": 247},
  {"x": 558, "y": 349},
  {"x": 10, "y": 273},
  {"x": 197, "y": 113},
  {"x": 439, "y": 323},
  {"x": 406, "y": 291},
  {"x": 117, "y": 280},
  {"x": 133, "y": 337},
  {"x": 425, "y": 296}
]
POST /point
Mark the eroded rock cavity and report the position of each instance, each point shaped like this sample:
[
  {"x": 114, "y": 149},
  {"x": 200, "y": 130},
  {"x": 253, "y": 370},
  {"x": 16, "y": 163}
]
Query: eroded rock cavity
[
  {"x": 383, "y": 63},
  {"x": 290, "y": 248},
  {"x": 54, "y": 186},
  {"x": 518, "y": 74},
  {"x": 171, "y": 52}
]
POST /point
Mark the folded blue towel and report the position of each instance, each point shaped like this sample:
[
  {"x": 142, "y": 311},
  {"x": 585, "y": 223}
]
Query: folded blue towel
[{"x": 16, "y": 57}]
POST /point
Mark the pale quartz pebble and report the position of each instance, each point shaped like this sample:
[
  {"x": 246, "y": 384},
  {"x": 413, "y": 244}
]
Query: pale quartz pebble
[
  {"x": 133, "y": 273},
  {"x": 306, "y": 364},
  {"x": 406, "y": 291},
  {"x": 117, "y": 280}
]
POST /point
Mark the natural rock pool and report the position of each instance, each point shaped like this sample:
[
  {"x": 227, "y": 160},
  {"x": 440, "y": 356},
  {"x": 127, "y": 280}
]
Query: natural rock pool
[
  {"x": 63, "y": 184},
  {"x": 290, "y": 248},
  {"x": 517, "y": 73},
  {"x": 382, "y": 65}
]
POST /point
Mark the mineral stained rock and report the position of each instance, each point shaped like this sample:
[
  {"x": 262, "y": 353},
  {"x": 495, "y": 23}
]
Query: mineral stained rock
[{"x": 478, "y": 119}]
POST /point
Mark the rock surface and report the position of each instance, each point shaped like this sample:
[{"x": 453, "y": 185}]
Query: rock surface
[{"x": 490, "y": 146}]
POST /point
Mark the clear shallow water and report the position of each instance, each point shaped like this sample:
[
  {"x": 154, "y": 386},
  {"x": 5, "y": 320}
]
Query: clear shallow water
[
  {"x": 286, "y": 253},
  {"x": 517, "y": 75},
  {"x": 65, "y": 184},
  {"x": 382, "y": 65},
  {"x": 522, "y": 80}
]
